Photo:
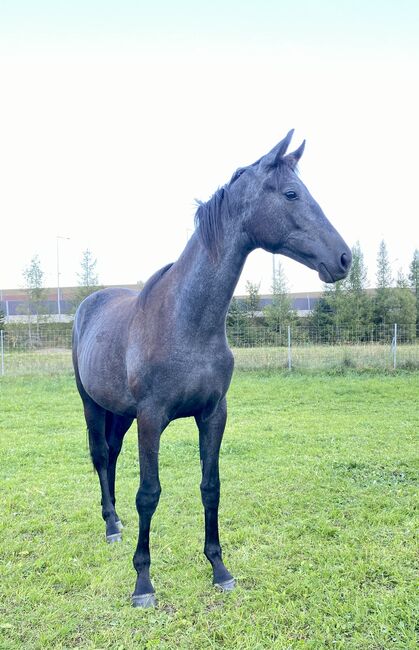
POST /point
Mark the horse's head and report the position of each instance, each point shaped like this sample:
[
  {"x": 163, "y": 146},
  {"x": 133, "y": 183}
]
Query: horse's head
[{"x": 281, "y": 216}]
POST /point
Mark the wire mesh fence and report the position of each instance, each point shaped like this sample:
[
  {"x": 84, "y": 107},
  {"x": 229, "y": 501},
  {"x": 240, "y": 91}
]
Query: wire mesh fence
[
  {"x": 35, "y": 351},
  {"x": 47, "y": 350},
  {"x": 304, "y": 347}
]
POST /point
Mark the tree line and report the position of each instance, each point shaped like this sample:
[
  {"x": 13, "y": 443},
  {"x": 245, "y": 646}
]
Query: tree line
[
  {"x": 345, "y": 311},
  {"x": 36, "y": 308}
]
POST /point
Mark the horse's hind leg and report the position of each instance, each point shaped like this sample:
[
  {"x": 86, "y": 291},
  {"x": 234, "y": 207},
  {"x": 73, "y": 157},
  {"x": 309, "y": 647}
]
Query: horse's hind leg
[
  {"x": 96, "y": 425},
  {"x": 116, "y": 428}
]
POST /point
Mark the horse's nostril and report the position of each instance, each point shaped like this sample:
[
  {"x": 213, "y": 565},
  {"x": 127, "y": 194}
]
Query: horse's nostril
[{"x": 344, "y": 260}]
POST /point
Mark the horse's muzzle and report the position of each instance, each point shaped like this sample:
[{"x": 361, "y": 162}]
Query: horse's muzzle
[{"x": 339, "y": 271}]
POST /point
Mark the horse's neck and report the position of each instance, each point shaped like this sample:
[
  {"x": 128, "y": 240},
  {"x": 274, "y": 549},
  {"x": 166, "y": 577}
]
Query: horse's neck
[{"x": 206, "y": 287}]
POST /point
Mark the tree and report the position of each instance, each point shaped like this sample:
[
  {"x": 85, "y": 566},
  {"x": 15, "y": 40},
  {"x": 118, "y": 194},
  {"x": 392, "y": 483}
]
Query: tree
[
  {"x": 383, "y": 294},
  {"x": 384, "y": 276},
  {"x": 36, "y": 293},
  {"x": 236, "y": 323},
  {"x": 357, "y": 280},
  {"x": 328, "y": 311},
  {"x": 356, "y": 308},
  {"x": 403, "y": 306},
  {"x": 253, "y": 325},
  {"x": 2, "y": 319},
  {"x": 252, "y": 298},
  {"x": 88, "y": 279},
  {"x": 413, "y": 279},
  {"x": 279, "y": 314},
  {"x": 88, "y": 276}
]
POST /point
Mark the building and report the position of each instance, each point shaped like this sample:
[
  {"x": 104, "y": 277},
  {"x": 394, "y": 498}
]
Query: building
[{"x": 15, "y": 305}]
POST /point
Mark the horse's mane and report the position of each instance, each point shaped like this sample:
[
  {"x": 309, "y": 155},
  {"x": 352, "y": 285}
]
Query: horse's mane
[
  {"x": 209, "y": 220},
  {"x": 151, "y": 282},
  {"x": 210, "y": 215}
]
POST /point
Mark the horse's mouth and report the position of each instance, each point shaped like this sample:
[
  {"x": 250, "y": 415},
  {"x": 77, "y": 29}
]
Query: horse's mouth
[{"x": 324, "y": 274}]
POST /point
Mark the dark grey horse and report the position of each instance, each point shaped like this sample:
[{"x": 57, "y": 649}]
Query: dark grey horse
[{"x": 162, "y": 354}]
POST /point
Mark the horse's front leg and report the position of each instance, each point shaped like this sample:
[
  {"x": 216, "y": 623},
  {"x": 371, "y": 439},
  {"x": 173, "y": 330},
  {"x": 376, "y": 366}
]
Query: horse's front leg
[
  {"x": 210, "y": 436},
  {"x": 148, "y": 495}
]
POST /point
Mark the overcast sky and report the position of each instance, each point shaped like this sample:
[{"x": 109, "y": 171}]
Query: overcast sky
[{"x": 115, "y": 116}]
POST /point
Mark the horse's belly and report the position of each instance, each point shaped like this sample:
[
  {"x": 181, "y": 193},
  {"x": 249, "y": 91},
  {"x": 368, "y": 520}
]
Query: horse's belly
[{"x": 104, "y": 379}]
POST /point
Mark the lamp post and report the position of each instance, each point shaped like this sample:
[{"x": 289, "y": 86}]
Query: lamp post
[
  {"x": 273, "y": 273},
  {"x": 58, "y": 276}
]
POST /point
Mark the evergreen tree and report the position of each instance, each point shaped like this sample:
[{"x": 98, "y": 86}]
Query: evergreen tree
[
  {"x": 322, "y": 314},
  {"x": 279, "y": 314},
  {"x": 234, "y": 311},
  {"x": 383, "y": 294},
  {"x": 236, "y": 324},
  {"x": 356, "y": 308},
  {"x": 88, "y": 278},
  {"x": 384, "y": 277},
  {"x": 357, "y": 280},
  {"x": 252, "y": 304},
  {"x": 402, "y": 282},
  {"x": 328, "y": 313},
  {"x": 252, "y": 298},
  {"x": 414, "y": 272},
  {"x": 403, "y": 306},
  {"x": 36, "y": 293},
  {"x": 414, "y": 283}
]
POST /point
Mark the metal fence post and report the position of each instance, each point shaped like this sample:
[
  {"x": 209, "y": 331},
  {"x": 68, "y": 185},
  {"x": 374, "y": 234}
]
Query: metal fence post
[
  {"x": 289, "y": 348},
  {"x": 2, "y": 352},
  {"x": 394, "y": 346}
]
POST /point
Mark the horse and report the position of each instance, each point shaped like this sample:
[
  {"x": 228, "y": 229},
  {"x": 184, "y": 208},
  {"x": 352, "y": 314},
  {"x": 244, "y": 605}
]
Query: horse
[{"x": 162, "y": 353}]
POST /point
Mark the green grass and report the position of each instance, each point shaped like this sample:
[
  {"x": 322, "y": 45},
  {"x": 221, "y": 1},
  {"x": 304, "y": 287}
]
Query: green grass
[{"x": 319, "y": 483}]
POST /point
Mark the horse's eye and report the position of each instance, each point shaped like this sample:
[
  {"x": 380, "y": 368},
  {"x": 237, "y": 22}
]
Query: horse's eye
[{"x": 291, "y": 195}]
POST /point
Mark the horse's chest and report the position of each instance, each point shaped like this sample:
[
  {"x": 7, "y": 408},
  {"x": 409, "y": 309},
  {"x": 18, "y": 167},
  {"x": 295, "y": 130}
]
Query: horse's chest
[
  {"x": 198, "y": 390},
  {"x": 190, "y": 384},
  {"x": 198, "y": 376}
]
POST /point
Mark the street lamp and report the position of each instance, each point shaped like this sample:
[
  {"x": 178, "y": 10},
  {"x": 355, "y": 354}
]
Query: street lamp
[
  {"x": 273, "y": 273},
  {"x": 58, "y": 277}
]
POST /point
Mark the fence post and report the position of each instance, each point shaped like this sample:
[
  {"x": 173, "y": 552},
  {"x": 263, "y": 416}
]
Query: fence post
[
  {"x": 289, "y": 348},
  {"x": 2, "y": 352},
  {"x": 394, "y": 346}
]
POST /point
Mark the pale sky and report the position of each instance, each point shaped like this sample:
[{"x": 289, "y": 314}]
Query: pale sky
[{"x": 115, "y": 116}]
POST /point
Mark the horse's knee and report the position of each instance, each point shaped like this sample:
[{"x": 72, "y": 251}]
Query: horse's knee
[
  {"x": 115, "y": 447},
  {"x": 99, "y": 455},
  {"x": 210, "y": 495},
  {"x": 147, "y": 499}
]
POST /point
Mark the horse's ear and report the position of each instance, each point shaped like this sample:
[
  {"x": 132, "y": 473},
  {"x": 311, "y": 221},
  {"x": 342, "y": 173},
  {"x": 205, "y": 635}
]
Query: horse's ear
[
  {"x": 293, "y": 158},
  {"x": 274, "y": 157}
]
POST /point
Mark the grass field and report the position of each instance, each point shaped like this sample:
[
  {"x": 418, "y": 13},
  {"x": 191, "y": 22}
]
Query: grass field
[{"x": 319, "y": 485}]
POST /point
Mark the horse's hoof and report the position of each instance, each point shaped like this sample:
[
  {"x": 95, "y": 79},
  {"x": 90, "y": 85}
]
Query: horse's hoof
[
  {"x": 116, "y": 537},
  {"x": 119, "y": 525},
  {"x": 144, "y": 600},
  {"x": 228, "y": 585}
]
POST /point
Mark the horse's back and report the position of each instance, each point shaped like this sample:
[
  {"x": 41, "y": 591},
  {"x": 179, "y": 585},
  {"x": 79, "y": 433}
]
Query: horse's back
[{"x": 100, "y": 305}]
